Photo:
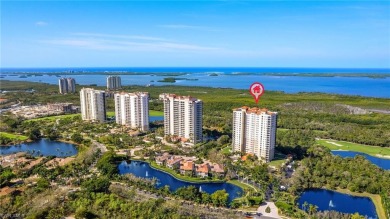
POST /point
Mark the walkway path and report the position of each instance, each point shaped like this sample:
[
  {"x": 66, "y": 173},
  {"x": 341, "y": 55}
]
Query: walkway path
[{"x": 272, "y": 214}]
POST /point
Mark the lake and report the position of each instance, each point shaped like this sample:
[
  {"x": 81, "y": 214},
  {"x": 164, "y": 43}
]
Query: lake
[
  {"x": 44, "y": 147},
  {"x": 330, "y": 200},
  {"x": 380, "y": 162},
  {"x": 238, "y": 78},
  {"x": 143, "y": 169},
  {"x": 156, "y": 118}
]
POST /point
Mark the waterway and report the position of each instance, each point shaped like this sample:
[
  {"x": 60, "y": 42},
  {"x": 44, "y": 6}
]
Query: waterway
[
  {"x": 331, "y": 200},
  {"x": 143, "y": 169},
  {"x": 238, "y": 78},
  {"x": 42, "y": 147},
  {"x": 380, "y": 162}
]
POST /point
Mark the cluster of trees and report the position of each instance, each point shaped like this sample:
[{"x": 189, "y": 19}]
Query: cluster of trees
[
  {"x": 219, "y": 198},
  {"x": 295, "y": 141},
  {"x": 6, "y": 175},
  {"x": 4, "y": 140},
  {"x": 108, "y": 163},
  {"x": 322, "y": 169}
]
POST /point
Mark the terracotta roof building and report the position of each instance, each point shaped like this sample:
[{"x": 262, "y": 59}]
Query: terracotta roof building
[{"x": 254, "y": 131}]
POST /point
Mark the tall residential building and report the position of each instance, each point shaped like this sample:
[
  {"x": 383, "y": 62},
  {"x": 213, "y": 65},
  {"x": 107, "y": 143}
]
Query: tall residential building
[
  {"x": 67, "y": 85},
  {"x": 254, "y": 131},
  {"x": 132, "y": 109},
  {"x": 183, "y": 117},
  {"x": 93, "y": 104},
  {"x": 113, "y": 83}
]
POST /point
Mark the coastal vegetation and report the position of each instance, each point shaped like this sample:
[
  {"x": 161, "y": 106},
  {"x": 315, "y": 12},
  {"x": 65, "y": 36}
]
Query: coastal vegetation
[
  {"x": 366, "y": 75},
  {"x": 314, "y": 74},
  {"x": 303, "y": 117},
  {"x": 173, "y": 80}
]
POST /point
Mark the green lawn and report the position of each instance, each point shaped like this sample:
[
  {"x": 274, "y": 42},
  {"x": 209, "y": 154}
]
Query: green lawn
[
  {"x": 155, "y": 113},
  {"x": 243, "y": 186},
  {"x": 110, "y": 113},
  {"x": 343, "y": 145},
  {"x": 226, "y": 150},
  {"x": 278, "y": 160},
  {"x": 53, "y": 118},
  {"x": 13, "y": 136}
]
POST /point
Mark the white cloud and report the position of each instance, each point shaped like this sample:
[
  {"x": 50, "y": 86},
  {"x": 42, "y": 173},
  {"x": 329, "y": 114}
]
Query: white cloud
[
  {"x": 126, "y": 43},
  {"x": 41, "y": 23}
]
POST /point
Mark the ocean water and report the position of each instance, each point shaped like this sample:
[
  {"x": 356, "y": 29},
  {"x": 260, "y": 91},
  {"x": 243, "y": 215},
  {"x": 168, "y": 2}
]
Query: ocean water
[{"x": 238, "y": 78}]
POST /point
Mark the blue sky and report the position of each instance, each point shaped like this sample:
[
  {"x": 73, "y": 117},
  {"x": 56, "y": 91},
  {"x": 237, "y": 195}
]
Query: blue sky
[{"x": 189, "y": 33}]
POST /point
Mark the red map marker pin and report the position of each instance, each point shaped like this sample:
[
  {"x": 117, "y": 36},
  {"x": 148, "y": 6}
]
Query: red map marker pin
[{"x": 256, "y": 89}]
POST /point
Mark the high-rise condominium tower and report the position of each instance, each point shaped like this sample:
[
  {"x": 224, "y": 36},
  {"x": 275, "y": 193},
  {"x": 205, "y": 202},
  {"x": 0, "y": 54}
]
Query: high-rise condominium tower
[
  {"x": 93, "y": 104},
  {"x": 254, "y": 131},
  {"x": 183, "y": 117},
  {"x": 67, "y": 85},
  {"x": 113, "y": 83},
  {"x": 132, "y": 109}
]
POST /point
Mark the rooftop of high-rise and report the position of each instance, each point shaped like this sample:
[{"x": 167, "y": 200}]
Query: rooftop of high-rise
[
  {"x": 254, "y": 110},
  {"x": 167, "y": 95}
]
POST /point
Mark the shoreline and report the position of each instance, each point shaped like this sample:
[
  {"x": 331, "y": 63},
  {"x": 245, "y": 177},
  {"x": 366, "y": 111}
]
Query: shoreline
[
  {"x": 386, "y": 157},
  {"x": 176, "y": 177},
  {"x": 375, "y": 198},
  {"x": 234, "y": 71},
  {"x": 354, "y": 147},
  {"x": 296, "y": 90},
  {"x": 182, "y": 180}
]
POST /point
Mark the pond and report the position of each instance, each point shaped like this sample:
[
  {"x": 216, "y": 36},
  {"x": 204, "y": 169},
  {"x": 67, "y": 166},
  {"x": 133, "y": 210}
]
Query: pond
[
  {"x": 380, "y": 162},
  {"x": 156, "y": 118},
  {"x": 142, "y": 169},
  {"x": 330, "y": 200},
  {"x": 44, "y": 147}
]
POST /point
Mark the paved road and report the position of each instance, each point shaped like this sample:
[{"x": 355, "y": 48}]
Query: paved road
[{"x": 101, "y": 146}]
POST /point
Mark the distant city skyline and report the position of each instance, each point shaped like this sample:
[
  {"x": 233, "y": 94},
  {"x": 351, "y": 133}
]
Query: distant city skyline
[{"x": 330, "y": 34}]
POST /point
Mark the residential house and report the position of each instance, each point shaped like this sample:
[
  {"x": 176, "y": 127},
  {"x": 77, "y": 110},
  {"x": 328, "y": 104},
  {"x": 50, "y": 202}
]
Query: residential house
[
  {"x": 161, "y": 160},
  {"x": 217, "y": 170},
  {"x": 173, "y": 162},
  {"x": 187, "y": 167},
  {"x": 202, "y": 170}
]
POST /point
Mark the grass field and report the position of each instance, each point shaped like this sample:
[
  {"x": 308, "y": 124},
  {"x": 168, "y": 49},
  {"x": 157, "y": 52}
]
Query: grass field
[
  {"x": 155, "y": 113},
  {"x": 110, "y": 113},
  {"x": 278, "y": 160},
  {"x": 226, "y": 150},
  {"x": 13, "y": 136},
  {"x": 342, "y": 145},
  {"x": 243, "y": 186},
  {"x": 376, "y": 199},
  {"x": 53, "y": 118}
]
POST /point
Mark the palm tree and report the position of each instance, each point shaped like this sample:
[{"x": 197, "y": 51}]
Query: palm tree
[
  {"x": 312, "y": 209},
  {"x": 305, "y": 205}
]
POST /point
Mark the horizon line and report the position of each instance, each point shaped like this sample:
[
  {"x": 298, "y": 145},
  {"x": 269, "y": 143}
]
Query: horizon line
[{"x": 198, "y": 67}]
